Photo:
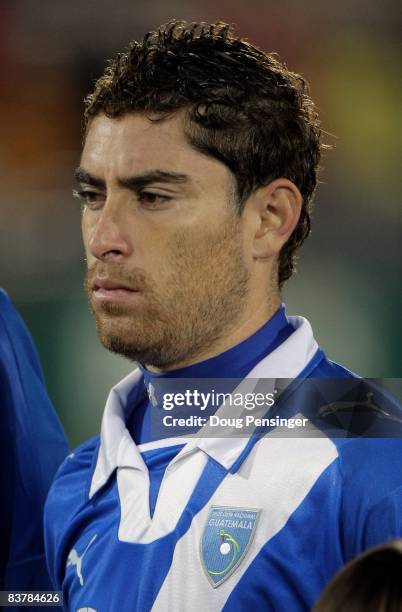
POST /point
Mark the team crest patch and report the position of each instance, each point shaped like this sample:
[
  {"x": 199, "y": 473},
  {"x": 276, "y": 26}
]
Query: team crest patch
[{"x": 228, "y": 533}]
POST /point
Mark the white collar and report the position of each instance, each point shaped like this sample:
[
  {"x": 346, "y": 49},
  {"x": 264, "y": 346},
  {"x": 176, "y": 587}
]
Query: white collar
[{"x": 118, "y": 449}]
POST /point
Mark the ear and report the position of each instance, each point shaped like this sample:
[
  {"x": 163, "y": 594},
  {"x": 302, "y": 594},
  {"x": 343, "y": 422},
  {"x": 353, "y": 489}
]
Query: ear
[{"x": 275, "y": 211}]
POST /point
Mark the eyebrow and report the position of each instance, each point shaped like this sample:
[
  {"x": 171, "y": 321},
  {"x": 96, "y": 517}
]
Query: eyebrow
[{"x": 135, "y": 182}]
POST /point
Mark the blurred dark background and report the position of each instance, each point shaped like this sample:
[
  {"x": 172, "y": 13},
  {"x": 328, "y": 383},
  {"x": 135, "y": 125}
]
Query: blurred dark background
[{"x": 348, "y": 281}]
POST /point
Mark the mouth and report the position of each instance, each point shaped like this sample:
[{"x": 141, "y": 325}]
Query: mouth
[{"x": 104, "y": 288}]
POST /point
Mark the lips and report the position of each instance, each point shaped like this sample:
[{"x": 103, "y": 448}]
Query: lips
[
  {"x": 107, "y": 289},
  {"x": 110, "y": 285}
]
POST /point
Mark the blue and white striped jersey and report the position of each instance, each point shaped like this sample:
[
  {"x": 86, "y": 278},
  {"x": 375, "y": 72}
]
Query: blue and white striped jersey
[{"x": 237, "y": 522}]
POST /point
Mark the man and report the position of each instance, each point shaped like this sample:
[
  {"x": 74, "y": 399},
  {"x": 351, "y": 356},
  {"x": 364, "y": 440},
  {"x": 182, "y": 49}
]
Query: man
[
  {"x": 32, "y": 447},
  {"x": 198, "y": 168}
]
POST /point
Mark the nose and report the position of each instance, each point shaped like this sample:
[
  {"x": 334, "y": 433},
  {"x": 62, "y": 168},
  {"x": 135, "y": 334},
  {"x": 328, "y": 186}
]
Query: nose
[{"x": 109, "y": 238}]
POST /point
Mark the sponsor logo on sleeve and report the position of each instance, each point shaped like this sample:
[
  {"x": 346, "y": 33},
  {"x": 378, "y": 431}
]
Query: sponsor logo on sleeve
[{"x": 75, "y": 560}]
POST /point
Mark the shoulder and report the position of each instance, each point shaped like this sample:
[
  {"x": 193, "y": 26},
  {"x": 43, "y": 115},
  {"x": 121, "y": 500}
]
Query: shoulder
[
  {"x": 326, "y": 368},
  {"x": 13, "y": 333},
  {"x": 32, "y": 430},
  {"x": 344, "y": 405},
  {"x": 364, "y": 422},
  {"x": 11, "y": 324},
  {"x": 69, "y": 490},
  {"x": 5, "y": 301},
  {"x": 19, "y": 359},
  {"x": 77, "y": 467}
]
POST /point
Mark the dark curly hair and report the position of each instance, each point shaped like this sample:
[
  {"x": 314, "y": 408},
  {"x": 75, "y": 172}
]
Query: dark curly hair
[{"x": 243, "y": 107}]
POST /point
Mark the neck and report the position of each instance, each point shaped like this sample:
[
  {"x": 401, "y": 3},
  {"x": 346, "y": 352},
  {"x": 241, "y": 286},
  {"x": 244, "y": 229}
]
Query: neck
[{"x": 247, "y": 325}]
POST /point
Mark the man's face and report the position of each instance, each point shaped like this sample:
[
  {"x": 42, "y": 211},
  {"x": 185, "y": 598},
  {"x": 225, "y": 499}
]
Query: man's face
[{"x": 167, "y": 276}]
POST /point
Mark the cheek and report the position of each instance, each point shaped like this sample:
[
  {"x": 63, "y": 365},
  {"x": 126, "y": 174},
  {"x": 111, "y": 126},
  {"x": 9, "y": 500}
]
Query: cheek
[
  {"x": 198, "y": 252},
  {"x": 185, "y": 248}
]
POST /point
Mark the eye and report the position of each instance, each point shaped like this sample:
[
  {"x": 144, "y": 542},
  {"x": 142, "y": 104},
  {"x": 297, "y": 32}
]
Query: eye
[
  {"x": 92, "y": 199},
  {"x": 152, "y": 200}
]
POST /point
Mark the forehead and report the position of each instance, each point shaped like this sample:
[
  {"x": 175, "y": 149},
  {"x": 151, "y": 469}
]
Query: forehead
[{"x": 134, "y": 143}]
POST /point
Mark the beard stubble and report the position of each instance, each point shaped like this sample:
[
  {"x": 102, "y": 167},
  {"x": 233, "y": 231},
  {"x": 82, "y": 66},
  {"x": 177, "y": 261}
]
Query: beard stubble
[{"x": 204, "y": 292}]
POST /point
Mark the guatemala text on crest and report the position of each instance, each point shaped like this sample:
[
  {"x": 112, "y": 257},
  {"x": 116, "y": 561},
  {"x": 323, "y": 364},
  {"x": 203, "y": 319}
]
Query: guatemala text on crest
[{"x": 227, "y": 535}]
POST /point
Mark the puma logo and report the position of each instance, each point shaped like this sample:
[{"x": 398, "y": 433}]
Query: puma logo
[{"x": 75, "y": 559}]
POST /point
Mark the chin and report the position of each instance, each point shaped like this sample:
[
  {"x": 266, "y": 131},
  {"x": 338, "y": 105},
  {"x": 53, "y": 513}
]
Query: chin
[
  {"x": 118, "y": 324},
  {"x": 141, "y": 350},
  {"x": 115, "y": 345}
]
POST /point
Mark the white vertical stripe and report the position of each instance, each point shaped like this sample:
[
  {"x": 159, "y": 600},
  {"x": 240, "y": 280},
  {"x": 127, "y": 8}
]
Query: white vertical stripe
[{"x": 276, "y": 477}]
